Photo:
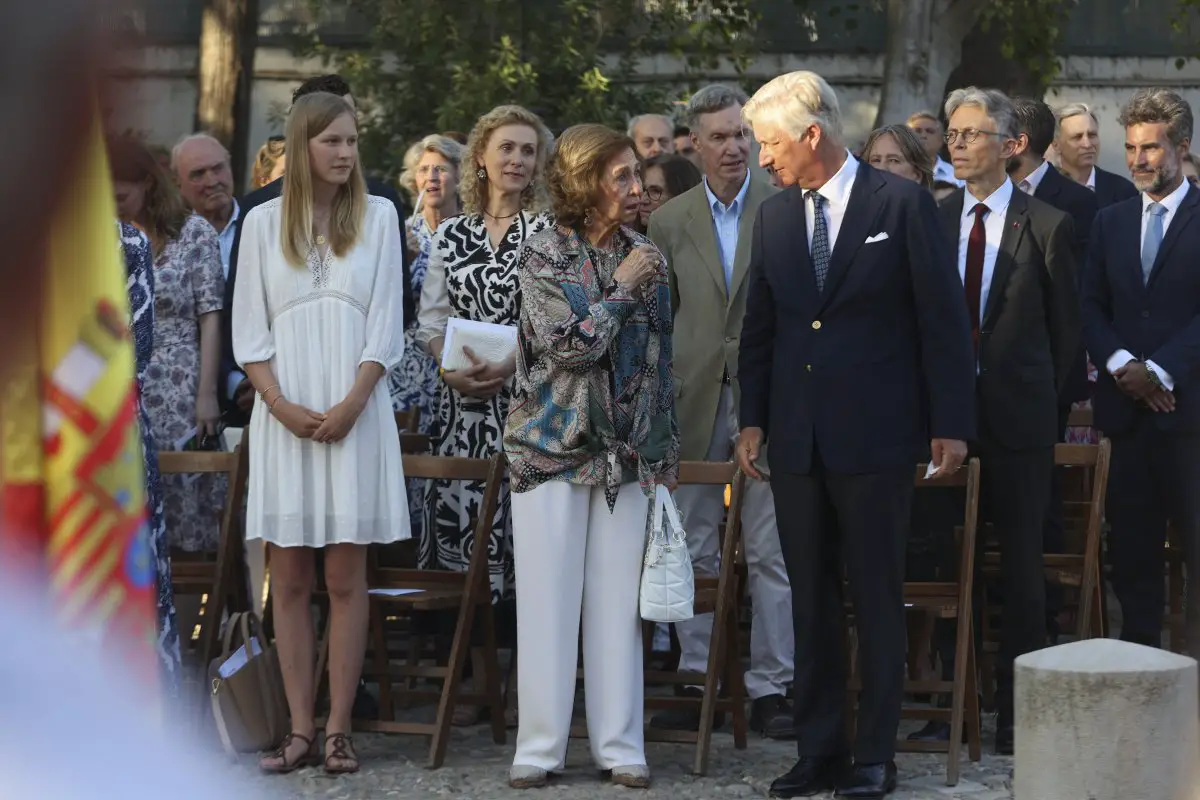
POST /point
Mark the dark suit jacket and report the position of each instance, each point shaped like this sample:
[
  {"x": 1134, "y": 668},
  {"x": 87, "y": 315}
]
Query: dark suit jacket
[
  {"x": 1081, "y": 204},
  {"x": 232, "y": 414},
  {"x": 869, "y": 369},
  {"x": 1158, "y": 321},
  {"x": 1030, "y": 328},
  {"x": 1112, "y": 188}
]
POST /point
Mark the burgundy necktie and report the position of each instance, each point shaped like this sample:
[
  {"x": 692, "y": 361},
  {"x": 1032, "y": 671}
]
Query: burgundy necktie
[{"x": 973, "y": 279}]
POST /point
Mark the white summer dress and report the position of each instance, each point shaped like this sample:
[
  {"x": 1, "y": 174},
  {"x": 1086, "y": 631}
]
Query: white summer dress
[{"x": 316, "y": 325}]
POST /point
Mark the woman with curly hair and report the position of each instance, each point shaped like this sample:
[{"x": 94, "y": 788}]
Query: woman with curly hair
[
  {"x": 472, "y": 275},
  {"x": 591, "y": 434}
]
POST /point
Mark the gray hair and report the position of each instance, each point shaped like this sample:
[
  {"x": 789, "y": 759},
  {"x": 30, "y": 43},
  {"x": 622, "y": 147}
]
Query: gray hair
[
  {"x": 795, "y": 101},
  {"x": 994, "y": 103},
  {"x": 633, "y": 123},
  {"x": 1159, "y": 106},
  {"x": 711, "y": 99},
  {"x": 177, "y": 150},
  {"x": 444, "y": 146},
  {"x": 1072, "y": 110}
]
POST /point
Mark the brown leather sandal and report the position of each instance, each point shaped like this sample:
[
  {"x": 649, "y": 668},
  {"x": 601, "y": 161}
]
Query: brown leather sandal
[
  {"x": 340, "y": 746},
  {"x": 310, "y": 758}
]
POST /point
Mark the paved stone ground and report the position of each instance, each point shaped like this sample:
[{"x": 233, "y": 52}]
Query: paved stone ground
[{"x": 477, "y": 769}]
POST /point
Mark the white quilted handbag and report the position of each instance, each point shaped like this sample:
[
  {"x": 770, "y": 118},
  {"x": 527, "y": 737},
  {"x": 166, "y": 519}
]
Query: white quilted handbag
[{"x": 668, "y": 590}]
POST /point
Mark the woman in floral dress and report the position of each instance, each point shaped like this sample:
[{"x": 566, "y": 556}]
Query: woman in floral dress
[
  {"x": 180, "y": 390},
  {"x": 140, "y": 285},
  {"x": 472, "y": 275}
]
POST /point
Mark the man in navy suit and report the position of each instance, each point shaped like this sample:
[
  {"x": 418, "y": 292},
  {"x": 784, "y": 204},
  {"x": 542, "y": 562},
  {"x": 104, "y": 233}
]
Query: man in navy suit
[
  {"x": 1077, "y": 137},
  {"x": 855, "y": 360},
  {"x": 236, "y": 409},
  {"x": 1141, "y": 311}
]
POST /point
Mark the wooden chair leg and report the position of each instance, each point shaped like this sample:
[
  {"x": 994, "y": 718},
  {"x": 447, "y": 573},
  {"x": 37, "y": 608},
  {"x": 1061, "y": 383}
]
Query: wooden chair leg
[
  {"x": 717, "y": 665},
  {"x": 957, "y": 698},
  {"x": 491, "y": 673},
  {"x": 383, "y": 664},
  {"x": 973, "y": 717},
  {"x": 320, "y": 684},
  {"x": 460, "y": 648},
  {"x": 736, "y": 679}
]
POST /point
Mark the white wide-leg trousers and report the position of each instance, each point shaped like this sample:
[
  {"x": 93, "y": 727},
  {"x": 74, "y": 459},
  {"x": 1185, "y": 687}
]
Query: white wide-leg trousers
[{"x": 573, "y": 555}]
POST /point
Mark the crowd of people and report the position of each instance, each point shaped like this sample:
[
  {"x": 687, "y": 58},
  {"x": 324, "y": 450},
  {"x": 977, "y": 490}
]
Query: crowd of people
[{"x": 934, "y": 296}]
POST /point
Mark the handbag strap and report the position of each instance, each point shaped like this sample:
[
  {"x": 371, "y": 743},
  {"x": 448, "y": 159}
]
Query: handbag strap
[
  {"x": 219, "y": 719},
  {"x": 230, "y": 629},
  {"x": 664, "y": 502}
]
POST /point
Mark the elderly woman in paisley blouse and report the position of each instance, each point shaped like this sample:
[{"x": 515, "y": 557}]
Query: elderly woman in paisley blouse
[
  {"x": 472, "y": 275},
  {"x": 590, "y": 433}
]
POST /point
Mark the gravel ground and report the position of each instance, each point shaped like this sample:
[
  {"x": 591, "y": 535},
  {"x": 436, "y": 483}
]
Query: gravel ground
[{"x": 393, "y": 767}]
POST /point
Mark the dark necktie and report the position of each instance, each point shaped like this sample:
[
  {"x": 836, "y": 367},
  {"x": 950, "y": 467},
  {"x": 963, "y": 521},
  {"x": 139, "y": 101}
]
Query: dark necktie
[
  {"x": 973, "y": 279},
  {"x": 820, "y": 240}
]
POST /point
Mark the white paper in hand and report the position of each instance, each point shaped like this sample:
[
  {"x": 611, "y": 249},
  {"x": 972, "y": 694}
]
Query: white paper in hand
[{"x": 489, "y": 342}]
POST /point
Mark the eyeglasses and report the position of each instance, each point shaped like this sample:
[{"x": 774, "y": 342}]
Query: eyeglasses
[
  {"x": 969, "y": 135},
  {"x": 655, "y": 193}
]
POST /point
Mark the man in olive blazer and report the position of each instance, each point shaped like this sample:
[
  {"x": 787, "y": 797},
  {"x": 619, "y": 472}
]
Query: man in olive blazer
[{"x": 705, "y": 235}]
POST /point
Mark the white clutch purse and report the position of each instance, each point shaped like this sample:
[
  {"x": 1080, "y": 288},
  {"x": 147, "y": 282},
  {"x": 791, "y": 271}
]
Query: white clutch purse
[{"x": 668, "y": 590}]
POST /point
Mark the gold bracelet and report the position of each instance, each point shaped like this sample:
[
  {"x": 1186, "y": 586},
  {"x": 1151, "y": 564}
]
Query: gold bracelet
[
  {"x": 271, "y": 406},
  {"x": 263, "y": 394}
]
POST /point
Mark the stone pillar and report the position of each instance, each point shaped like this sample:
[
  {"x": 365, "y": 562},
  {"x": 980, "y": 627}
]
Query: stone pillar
[{"x": 1102, "y": 719}]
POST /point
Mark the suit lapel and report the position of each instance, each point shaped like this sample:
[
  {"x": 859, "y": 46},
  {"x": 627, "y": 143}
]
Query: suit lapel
[
  {"x": 858, "y": 223},
  {"x": 1183, "y": 215},
  {"x": 1015, "y": 223},
  {"x": 741, "y": 257},
  {"x": 704, "y": 236},
  {"x": 951, "y": 210}
]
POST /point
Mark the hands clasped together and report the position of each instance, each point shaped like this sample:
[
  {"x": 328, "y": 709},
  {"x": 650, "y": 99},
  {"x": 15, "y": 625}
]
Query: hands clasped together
[
  {"x": 328, "y": 428},
  {"x": 1136, "y": 380}
]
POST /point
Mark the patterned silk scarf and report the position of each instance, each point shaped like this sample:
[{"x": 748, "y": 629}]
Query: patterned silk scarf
[{"x": 73, "y": 501}]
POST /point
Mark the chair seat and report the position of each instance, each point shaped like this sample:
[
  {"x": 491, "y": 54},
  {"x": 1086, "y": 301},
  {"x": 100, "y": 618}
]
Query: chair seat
[{"x": 436, "y": 599}]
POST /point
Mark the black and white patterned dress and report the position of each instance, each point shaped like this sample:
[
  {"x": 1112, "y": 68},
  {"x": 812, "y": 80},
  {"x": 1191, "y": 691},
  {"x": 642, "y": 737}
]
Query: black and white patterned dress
[{"x": 469, "y": 279}]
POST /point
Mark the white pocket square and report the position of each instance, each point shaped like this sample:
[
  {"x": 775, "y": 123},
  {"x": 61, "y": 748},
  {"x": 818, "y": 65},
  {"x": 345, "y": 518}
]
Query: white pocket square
[{"x": 879, "y": 237}]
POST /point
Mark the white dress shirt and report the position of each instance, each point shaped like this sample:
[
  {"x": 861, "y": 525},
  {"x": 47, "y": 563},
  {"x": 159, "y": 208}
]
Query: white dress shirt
[
  {"x": 836, "y": 192},
  {"x": 1031, "y": 181},
  {"x": 1091, "y": 181},
  {"x": 725, "y": 223},
  {"x": 993, "y": 226},
  {"x": 225, "y": 237},
  {"x": 1171, "y": 203}
]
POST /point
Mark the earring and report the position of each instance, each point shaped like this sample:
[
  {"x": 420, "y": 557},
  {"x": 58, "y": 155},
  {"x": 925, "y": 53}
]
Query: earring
[
  {"x": 587, "y": 219},
  {"x": 481, "y": 173}
]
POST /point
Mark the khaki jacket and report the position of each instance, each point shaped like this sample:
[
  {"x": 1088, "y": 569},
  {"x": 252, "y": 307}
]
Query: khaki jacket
[{"x": 708, "y": 319}]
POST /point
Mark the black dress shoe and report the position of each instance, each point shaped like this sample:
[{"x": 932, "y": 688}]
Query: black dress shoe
[
  {"x": 868, "y": 780},
  {"x": 684, "y": 719},
  {"x": 810, "y": 776},
  {"x": 773, "y": 717}
]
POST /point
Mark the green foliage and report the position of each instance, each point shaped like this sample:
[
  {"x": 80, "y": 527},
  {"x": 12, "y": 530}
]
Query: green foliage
[
  {"x": 437, "y": 65},
  {"x": 1185, "y": 21},
  {"x": 1031, "y": 32}
]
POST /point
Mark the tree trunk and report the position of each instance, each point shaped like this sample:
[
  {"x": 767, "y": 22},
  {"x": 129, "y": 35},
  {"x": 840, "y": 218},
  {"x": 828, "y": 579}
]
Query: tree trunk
[
  {"x": 988, "y": 66},
  {"x": 228, "y": 36},
  {"x": 924, "y": 45}
]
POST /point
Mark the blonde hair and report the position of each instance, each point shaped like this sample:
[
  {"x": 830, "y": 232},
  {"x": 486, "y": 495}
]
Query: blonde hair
[
  {"x": 793, "y": 102},
  {"x": 574, "y": 173},
  {"x": 264, "y": 163},
  {"x": 310, "y": 116},
  {"x": 444, "y": 146},
  {"x": 473, "y": 190}
]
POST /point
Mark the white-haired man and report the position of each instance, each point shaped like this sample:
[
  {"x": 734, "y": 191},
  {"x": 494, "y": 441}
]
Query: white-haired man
[
  {"x": 652, "y": 134},
  {"x": 854, "y": 301},
  {"x": 1077, "y": 139},
  {"x": 205, "y": 176}
]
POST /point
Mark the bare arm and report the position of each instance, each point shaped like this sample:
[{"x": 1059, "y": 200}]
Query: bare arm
[{"x": 207, "y": 408}]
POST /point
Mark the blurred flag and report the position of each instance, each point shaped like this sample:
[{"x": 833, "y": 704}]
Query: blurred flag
[{"x": 73, "y": 492}]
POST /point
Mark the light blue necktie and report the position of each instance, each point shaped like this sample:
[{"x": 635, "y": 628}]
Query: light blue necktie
[
  {"x": 820, "y": 240},
  {"x": 1153, "y": 238}
]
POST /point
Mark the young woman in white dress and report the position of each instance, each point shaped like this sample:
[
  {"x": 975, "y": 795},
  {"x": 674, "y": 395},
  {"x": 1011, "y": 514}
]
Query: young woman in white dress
[{"x": 317, "y": 322}]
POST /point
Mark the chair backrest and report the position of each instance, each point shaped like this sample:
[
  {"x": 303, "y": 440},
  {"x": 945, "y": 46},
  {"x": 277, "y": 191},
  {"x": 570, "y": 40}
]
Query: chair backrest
[
  {"x": 720, "y": 473},
  {"x": 1085, "y": 515},
  {"x": 968, "y": 478},
  {"x": 408, "y": 421},
  {"x": 1080, "y": 418}
]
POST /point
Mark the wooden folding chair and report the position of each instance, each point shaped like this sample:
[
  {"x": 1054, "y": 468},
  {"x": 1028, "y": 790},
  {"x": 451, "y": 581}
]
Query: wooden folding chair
[
  {"x": 1176, "y": 617},
  {"x": 467, "y": 593},
  {"x": 223, "y": 576},
  {"x": 722, "y": 679},
  {"x": 945, "y": 600},
  {"x": 409, "y": 421}
]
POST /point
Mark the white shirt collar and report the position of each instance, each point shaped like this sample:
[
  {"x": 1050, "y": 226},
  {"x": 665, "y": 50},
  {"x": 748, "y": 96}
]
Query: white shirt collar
[
  {"x": 836, "y": 190},
  {"x": 1034, "y": 178},
  {"x": 237, "y": 212},
  {"x": 1170, "y": 202},
  {"x": 996, "y": 202},
  {"x": 1091, "y": 181},
  {"x": 714, "y": 202}
]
